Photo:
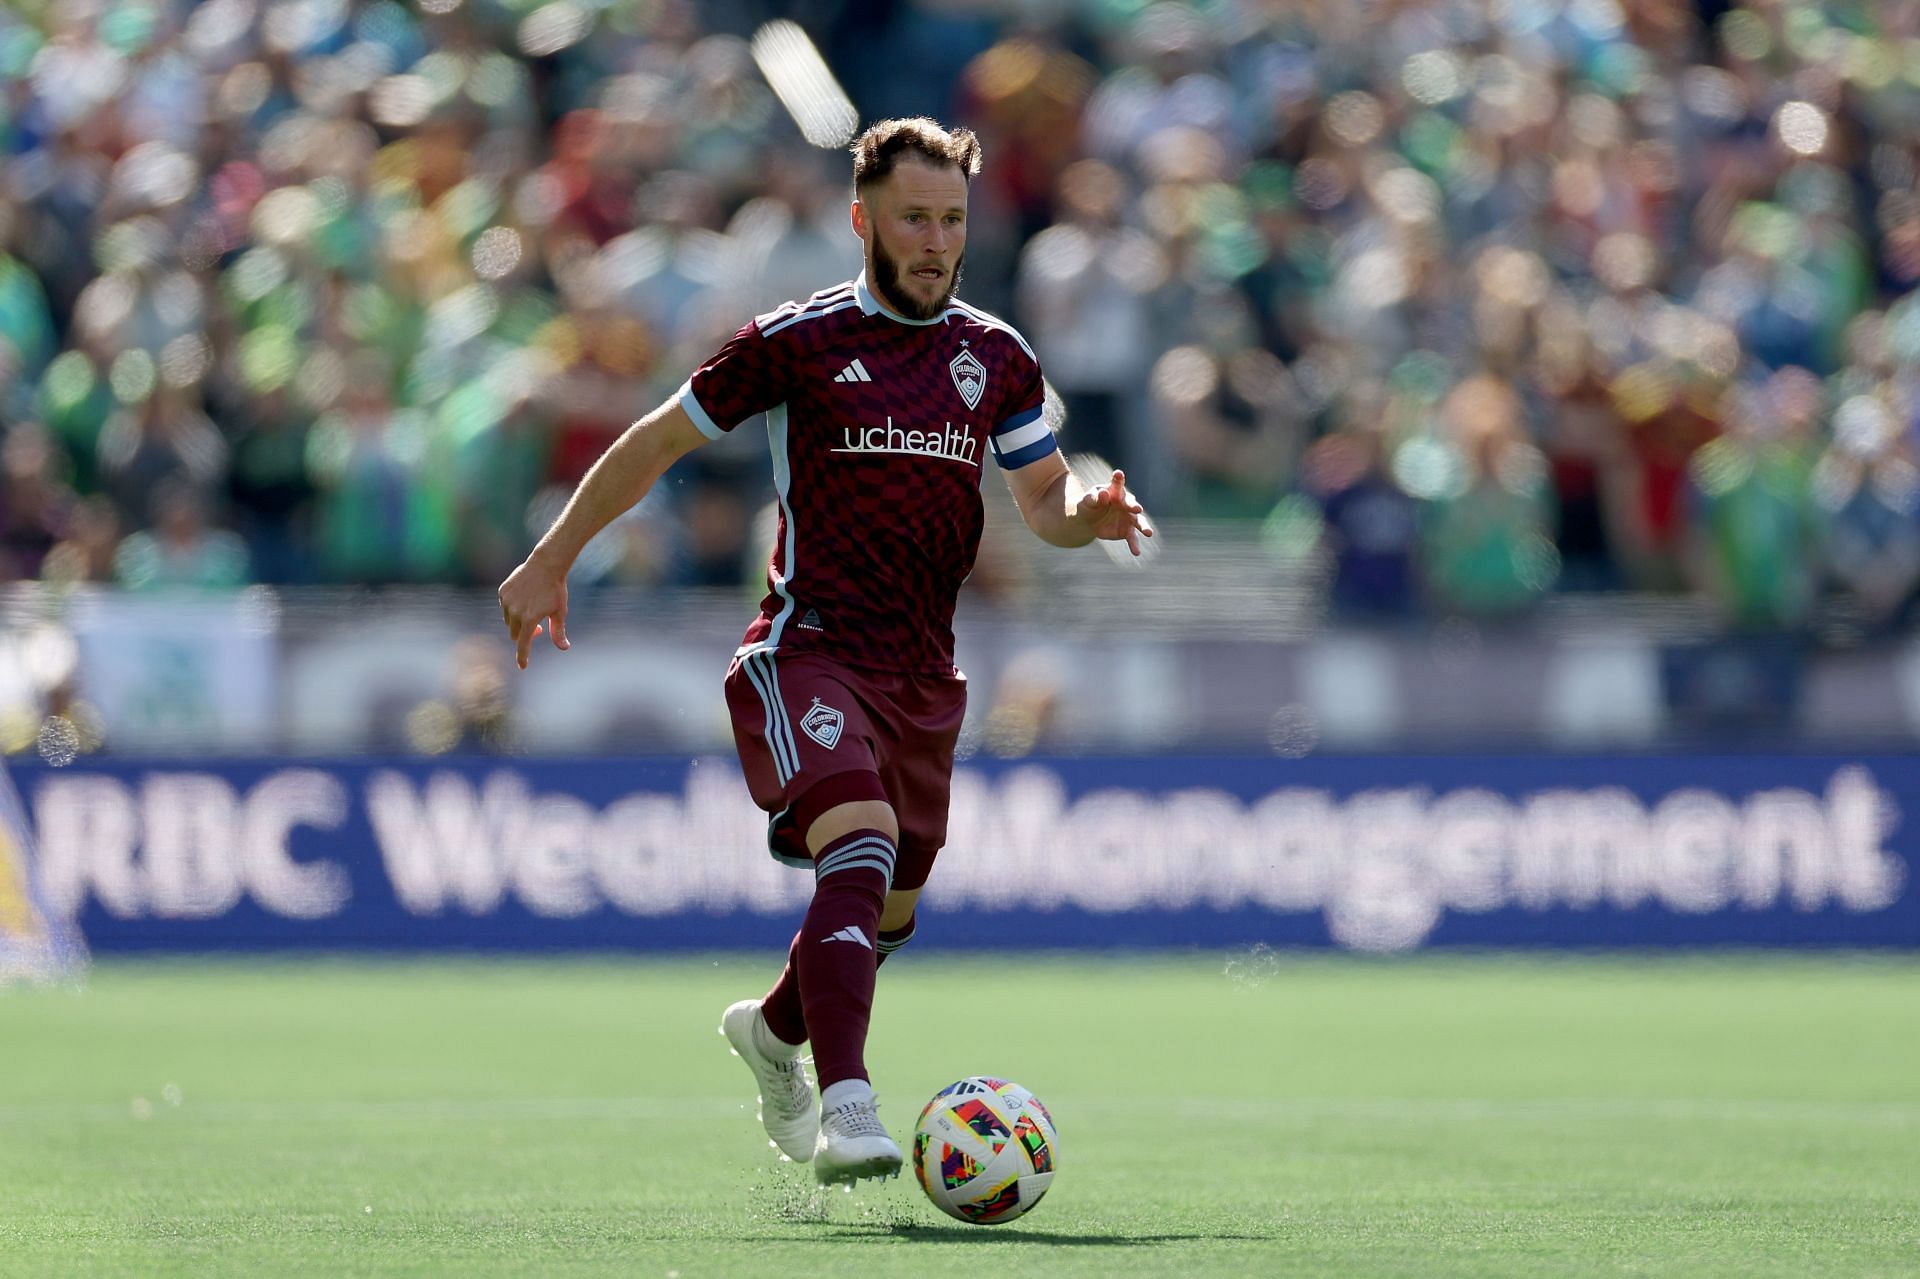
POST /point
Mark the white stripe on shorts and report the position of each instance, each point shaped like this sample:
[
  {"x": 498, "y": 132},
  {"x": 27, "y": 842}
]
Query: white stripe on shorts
[
  {"x": 786, "y": 760},
  {"x": 782, "y": 722}
]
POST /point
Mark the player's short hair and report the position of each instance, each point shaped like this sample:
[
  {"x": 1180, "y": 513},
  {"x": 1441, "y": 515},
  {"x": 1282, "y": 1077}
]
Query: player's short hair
[{"x": 878, "y": 150}]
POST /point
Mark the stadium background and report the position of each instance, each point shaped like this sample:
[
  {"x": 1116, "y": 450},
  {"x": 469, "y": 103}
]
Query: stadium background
[
  {"x": 1526, "y": 390},
  {"x": 1508, "y": 379}
]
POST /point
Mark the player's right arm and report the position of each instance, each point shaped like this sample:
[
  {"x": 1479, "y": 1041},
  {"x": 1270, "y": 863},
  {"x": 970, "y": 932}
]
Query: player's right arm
[
  {"x": 534, "y": 596},
  {"x": 748, "y": 375}
]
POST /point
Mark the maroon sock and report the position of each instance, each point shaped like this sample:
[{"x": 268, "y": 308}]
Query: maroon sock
[
  {"x": 835, "y": 951},
  {"x": 892, "y": 939},
  {"x": 784, "y": 1015}
]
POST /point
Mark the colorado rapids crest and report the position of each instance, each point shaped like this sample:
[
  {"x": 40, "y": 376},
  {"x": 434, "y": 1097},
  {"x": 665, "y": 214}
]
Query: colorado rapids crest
[
  {"x": 969, "y": 378},
  {"x": 823, "y": 724}
]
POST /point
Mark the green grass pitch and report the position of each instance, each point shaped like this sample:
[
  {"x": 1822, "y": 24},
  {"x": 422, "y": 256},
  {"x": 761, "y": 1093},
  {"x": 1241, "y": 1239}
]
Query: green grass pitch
[{"x": 1219, "y": 1115}]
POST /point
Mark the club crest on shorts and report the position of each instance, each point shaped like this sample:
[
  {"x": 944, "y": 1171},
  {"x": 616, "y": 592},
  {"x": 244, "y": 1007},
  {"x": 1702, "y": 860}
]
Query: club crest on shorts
[
  {"x": 969, "y": 378},
  {"x": 823, "y": 724}
]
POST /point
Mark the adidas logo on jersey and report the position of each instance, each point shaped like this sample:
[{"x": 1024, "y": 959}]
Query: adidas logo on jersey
[
  {"x": 855, "y": 372},
  {"x": 850, "y": 933}
]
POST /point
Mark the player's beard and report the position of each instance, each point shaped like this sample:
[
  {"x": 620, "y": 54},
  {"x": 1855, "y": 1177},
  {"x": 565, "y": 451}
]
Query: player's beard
[{"x": 891, "y": 282}]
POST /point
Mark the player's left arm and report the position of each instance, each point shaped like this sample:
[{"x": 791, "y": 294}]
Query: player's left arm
[
  {"x": 1057, "y": 505},
  {"x": 1060, "y": 509}
]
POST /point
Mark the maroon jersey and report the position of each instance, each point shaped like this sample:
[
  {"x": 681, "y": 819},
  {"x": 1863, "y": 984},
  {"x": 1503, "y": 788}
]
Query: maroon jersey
[{"x": 879, "y": 426}]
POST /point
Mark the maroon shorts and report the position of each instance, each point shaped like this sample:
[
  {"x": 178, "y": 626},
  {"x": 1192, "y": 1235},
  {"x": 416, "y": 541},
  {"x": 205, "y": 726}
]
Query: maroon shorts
[{"x": 802, "y": 721}]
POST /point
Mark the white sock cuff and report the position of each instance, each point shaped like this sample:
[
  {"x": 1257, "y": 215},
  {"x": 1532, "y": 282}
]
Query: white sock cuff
[{"x": 847, "y": 1090}]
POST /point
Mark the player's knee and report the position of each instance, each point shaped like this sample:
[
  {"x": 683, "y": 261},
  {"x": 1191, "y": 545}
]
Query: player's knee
[
  {"x": 842, "y": 804},
  {"x": 898, "y": 912},
  {"x": 843, "y": 820}
]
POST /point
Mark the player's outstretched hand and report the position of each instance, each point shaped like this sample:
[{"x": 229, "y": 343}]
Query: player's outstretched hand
[
  {"x": 1114, "y": 515},
  {"x": 534, "y": 599}
]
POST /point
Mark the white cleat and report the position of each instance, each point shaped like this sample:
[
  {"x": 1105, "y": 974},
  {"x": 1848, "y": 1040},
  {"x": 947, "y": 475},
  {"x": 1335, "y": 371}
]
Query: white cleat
[
  {"x": 854, "y": 1145},
  {"x": 788, "y": 1108}
]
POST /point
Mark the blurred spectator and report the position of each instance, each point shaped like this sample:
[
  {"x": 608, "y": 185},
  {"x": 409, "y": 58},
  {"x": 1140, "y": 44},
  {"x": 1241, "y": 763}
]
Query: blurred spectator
[
  {"x": 85, "y": 553},
  {"x": 1024, "y": 97},
  {"x": 1083, "y": 290},
  {"x": 1232, "y": 423},
  {"x": 660, "y": 272},
  {"x": 26, "y": 326},
  {"x": 75, "y": 400},
  {"x": 599, "y": 389},
  {"x": 1867, "y": 490},
  {"x": 1169, "y": 82},
  {"x": 1668, "y": 415},
  {"x": 35, "y": 506},
  {"x": 1599, "y": 524},
  {"x": 381, "y": 508},
  {"x": 269, "y": 486},
  {"x": 161, "y": 436},
  {"x": 181, "y": 549},
  {"x": 1489, "y": 506},
  {"x": 1752, "y": 521},
  {"x": 1371, "y": 524},
  {"x": 795, "y": 240}
]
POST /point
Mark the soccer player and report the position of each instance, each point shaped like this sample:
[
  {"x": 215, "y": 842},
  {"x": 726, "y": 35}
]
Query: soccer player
[{"x": 883, "y": 397}]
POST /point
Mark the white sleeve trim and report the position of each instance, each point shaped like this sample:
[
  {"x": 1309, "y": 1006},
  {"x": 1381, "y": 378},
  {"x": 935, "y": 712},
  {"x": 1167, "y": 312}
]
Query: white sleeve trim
[{"x": 691, "y": 403}]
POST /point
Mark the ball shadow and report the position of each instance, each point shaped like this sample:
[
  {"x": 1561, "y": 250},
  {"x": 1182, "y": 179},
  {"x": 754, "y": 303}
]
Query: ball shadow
[{"x": 1011, "y": 1233}]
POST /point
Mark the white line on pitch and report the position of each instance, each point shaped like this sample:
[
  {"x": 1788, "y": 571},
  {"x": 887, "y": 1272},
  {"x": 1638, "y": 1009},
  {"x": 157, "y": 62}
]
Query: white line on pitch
[{"x": 1271, "y": 1109}]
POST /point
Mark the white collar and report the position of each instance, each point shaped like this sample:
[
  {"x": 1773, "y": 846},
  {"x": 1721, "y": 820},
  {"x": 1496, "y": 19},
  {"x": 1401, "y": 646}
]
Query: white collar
[{"x": 869, "y": 304}]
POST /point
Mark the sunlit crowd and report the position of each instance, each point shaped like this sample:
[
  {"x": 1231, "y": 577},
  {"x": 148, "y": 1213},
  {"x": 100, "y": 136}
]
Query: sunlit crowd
[{"x": 1464, "y": 302}]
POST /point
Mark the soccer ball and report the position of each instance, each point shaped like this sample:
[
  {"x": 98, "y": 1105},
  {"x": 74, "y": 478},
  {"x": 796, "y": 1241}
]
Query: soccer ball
[{"x": 985, "y": 1150}]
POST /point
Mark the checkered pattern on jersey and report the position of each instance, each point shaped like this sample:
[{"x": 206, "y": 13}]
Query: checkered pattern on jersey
[{"x": 879, "y": 465}]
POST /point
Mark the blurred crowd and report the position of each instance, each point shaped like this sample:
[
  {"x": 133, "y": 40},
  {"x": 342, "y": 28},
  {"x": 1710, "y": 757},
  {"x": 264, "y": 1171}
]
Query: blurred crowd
[{"x": 1457, "y": 302}]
